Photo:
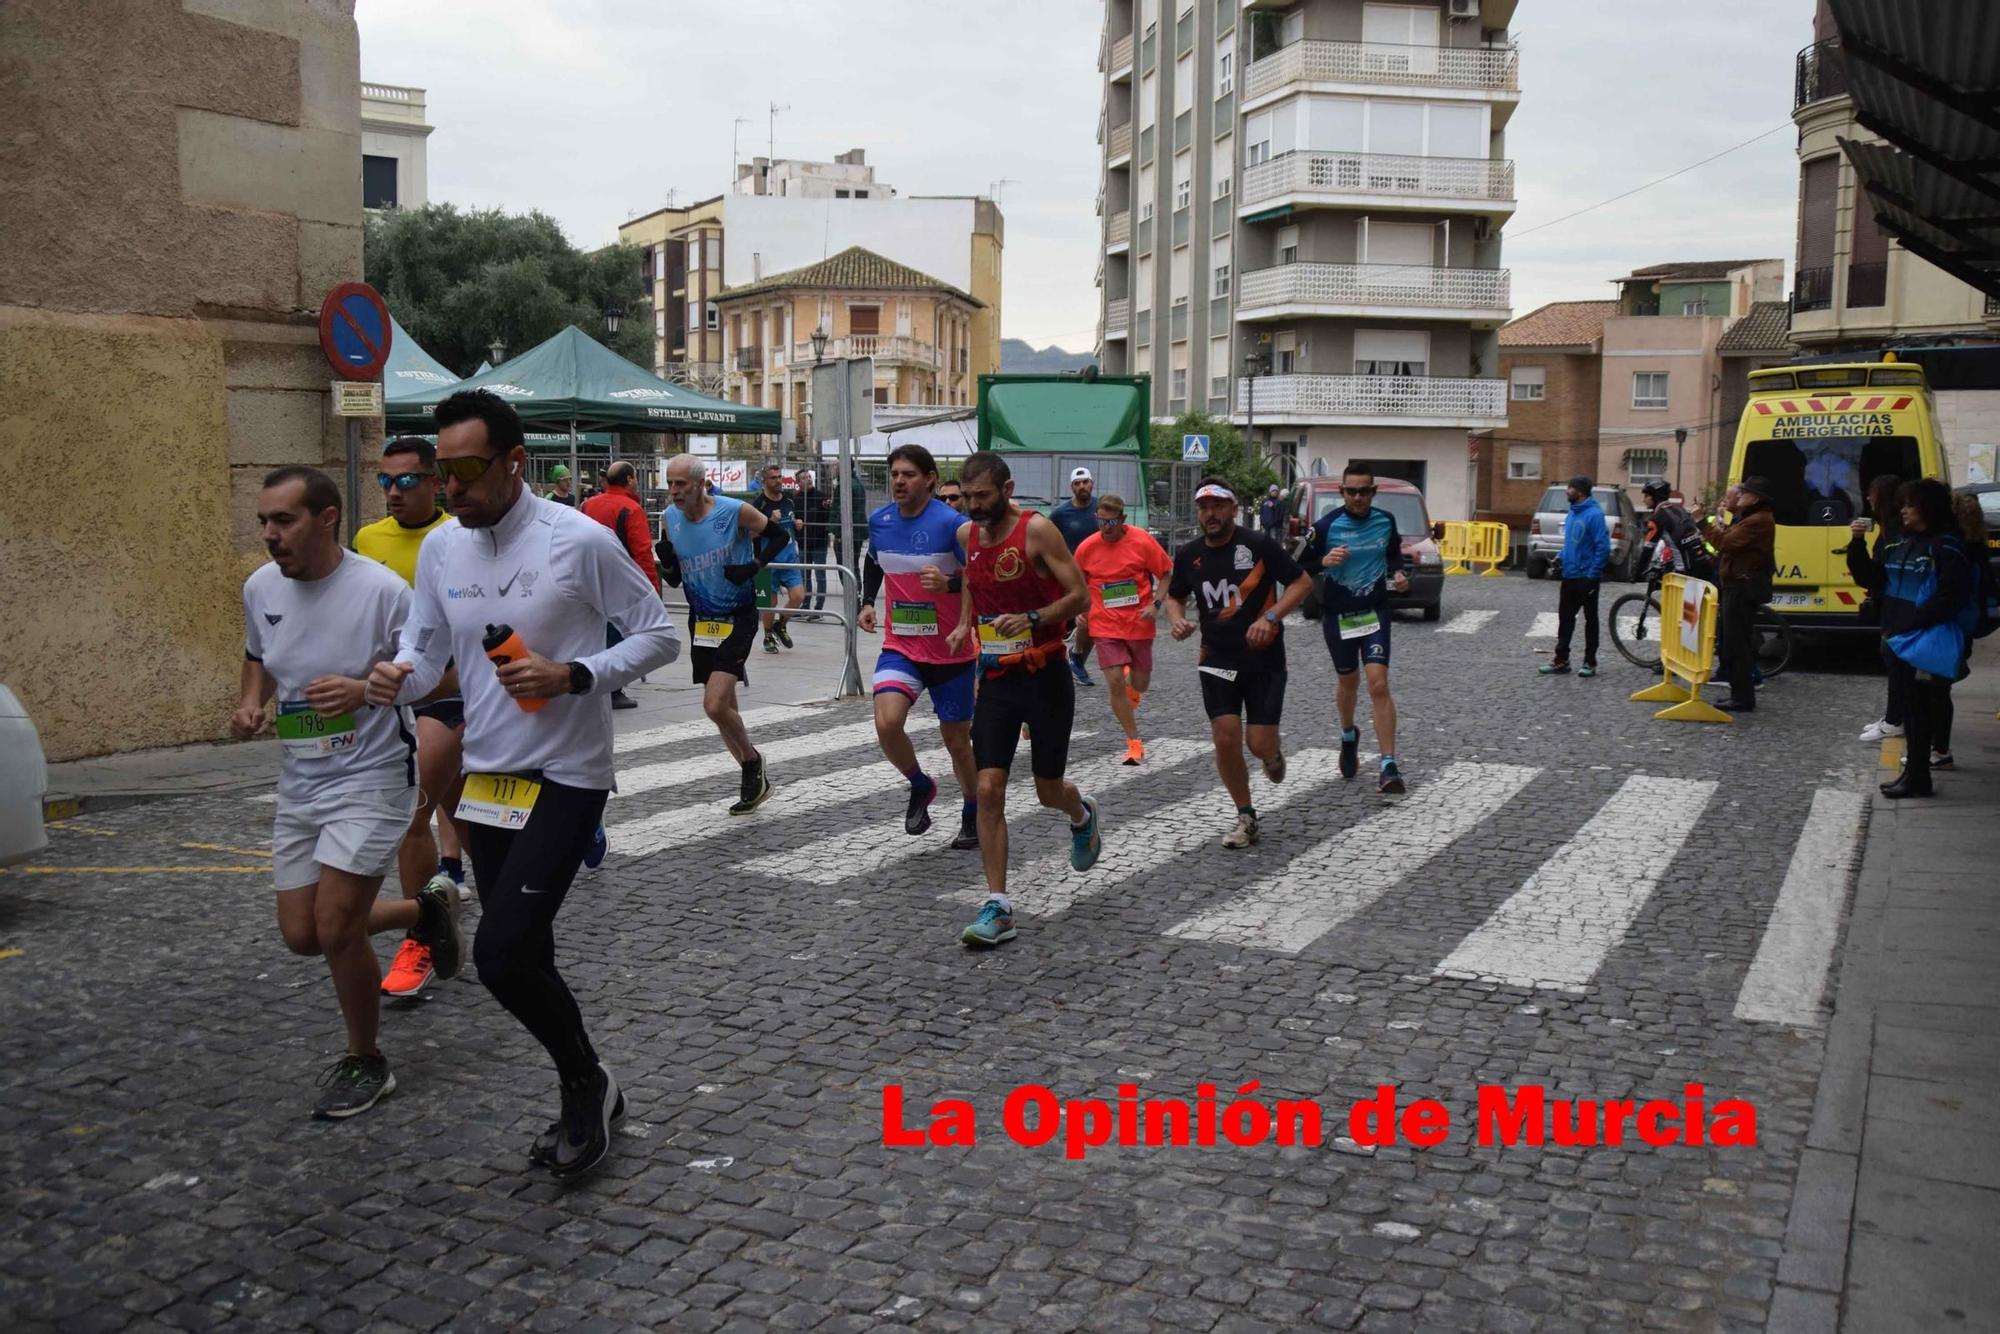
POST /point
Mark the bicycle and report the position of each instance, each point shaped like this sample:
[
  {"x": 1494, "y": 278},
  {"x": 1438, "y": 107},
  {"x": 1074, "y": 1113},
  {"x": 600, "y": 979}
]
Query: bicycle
[{"x": 1636, "y": 627}]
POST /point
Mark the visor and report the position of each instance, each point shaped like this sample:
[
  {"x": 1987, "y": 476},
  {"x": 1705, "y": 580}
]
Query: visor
[{"x": 1214, "y": 492}]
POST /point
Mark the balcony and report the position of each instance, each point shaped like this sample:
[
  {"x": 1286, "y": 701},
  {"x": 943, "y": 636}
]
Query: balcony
[
  {"x": 1376, "y": 290},
  {"x": 1121, "y": 58},
  {"x": 749, "y": 358},
  {"x": 1118, "y": 231},
  {"x": 1477, "y": 69},
  {"x": 1118, "y": 317},
  {"x": 1812, "y": 289},
  {"x": 892, "y": 349},
  {"x": 1361, "y": 400},
  {"x": 1820, "y": 74},
  {"x": 1360, "y": 180},
  {"x": 1121, "y": 142}
]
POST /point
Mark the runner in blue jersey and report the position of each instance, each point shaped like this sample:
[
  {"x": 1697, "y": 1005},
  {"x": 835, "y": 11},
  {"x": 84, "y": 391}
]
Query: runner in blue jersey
[
  {"x": 1362, "y": 553},
  {"x": 712, "y": 547},
  {"x": 782, "y": 511}
]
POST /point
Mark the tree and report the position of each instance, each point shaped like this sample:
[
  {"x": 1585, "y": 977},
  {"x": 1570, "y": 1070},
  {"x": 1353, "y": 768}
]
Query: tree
[
  {"x": 1228, "y": 456},
  {"x": 456, "y": 281}
]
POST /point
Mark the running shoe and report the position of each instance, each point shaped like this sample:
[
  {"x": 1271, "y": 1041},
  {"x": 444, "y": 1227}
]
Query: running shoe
[
  {"x": 1244, "y": 834},
  {"x": 1554, "y": 669},
  {"x": 543, "y": 1151},
  {"x": 1880, "y": 730},
  {"x": 1350, "y": 752},
  {"x": 1941, "y": 759},
  {"x": 588, "y": 1104},
  {"x": 756, "y": 787},
  {"x": 993, "y": 926},
  {"x": 621, "y": 700},
  {"x": 1135, "y": 752},
  {"x": 593, "y": 856},
  {"x": 1076, "y": 669},
  {"x": 1588, "y": 669},
  {"x": 410, "y": 971},
  {"x": 1274, "y": 768},
  {"x": 968, "y": 835},
  {"x": 1392, "y": 779},
  {"x": 784, "y": 635},
  {"x": 438, "y": 926},
  {"x": 917, "y": 816},
  {"x": 353, "y": 1084},
  {"x": 770, "y": 643},
  {"x": 1084, "y": 843}
]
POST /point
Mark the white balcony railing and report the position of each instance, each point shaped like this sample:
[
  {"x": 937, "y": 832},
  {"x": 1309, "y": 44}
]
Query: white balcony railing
[
  {"x": 1383, "y": 174},
  {"x": 882, "y": 347},
  {"x": 1118, "y": 229},
  {"x": 1490, "y": 68},
  {"x": 1117, "y": 317},
  {"x": 1375, "y": 396},
  {"x": 1121, "y": 141},
  {"x": 1414, "y": 285},
  {"x": 1121, "y": 53}
]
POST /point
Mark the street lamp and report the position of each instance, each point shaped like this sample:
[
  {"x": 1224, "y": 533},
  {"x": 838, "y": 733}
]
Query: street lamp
[
  {"x": 819, "y": 346},
  {"x": 612, "y": 314},
  {"x": 1680, "y": 443},
  {"x": 1253, "y": 366},
  {"x": 497, "y": 350}
]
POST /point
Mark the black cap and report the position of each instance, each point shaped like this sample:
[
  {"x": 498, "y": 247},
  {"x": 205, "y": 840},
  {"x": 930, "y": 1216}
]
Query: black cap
[
  {"x": 1756, "y": 486},
  {"x": 1656, "y": 490}
]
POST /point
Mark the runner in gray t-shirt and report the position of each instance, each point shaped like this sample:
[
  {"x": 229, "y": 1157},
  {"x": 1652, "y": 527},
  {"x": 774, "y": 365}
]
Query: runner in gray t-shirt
[{"x": 315, "y": 621}]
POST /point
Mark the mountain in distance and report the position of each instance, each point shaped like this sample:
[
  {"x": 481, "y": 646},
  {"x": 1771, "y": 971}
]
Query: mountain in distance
[{"x": 1018, "y": 356}]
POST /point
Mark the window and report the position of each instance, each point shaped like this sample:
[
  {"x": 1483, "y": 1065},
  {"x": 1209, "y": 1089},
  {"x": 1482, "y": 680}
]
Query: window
[
  {"x": 1149, "y": 100},
  {"x": 860, "y": 194},
  {"x": 1225, "y": 66},
  {"x": 1284, "y": 353},
  {"x": 711, "y": 316},
  {"x": 378, "y": 181},
  {"x": 1645, "y": 465},
  {"x": 1177, "y": 386},
  {"x": 1391, "y": 352},
  {"x": 1649, "y": 389},
  {"x": 1530, "y": 385},
  {"x": 841, "y": 194},
  {"x": 1183, "y": 84},
  {"x": 711, "y": 252},
  {"x": 1142, "y": 289},
  {"x": 1218, "y": 367},
  {"x": 864, "y": 319},
  {"x": 1218, "y": 259},
  {"x": 1398, "y": 253},
  {"x": 1178, "y": 275},
  {"x": 881, "y": 393},
  {"x": 1288, "y": 245},
  {"x": 1822, "y": 481},
  {"x": 1256, "y": 138},
  {"x": 1524, "y": 463},
  {"x": 1146, "y": 188},
  {"x": 1696, "y": 307},
  {"x": 1183, "y": 180},
  {"x": 1222, "y": 165}
]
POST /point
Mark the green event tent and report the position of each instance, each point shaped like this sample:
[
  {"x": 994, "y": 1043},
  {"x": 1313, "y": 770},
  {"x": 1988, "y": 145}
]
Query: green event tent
[
  {"x": 413, "y": 380},
  {"x": 573, "y": 382}
]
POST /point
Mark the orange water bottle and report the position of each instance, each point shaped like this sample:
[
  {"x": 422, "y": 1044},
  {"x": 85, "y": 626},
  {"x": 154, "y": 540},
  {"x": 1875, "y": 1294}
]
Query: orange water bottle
[{"x": 502, "y": 645}]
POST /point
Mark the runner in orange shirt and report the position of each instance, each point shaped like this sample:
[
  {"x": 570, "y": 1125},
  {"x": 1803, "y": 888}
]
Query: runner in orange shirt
[{"x": 1123, "y": 567}]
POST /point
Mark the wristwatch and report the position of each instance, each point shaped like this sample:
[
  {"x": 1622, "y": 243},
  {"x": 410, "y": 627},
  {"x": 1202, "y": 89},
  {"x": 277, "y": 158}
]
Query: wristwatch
[
  {"x": 580, "y": 679},
  {"x": 1034, "y": 618},
  {"x": 1273, "y": 617}
]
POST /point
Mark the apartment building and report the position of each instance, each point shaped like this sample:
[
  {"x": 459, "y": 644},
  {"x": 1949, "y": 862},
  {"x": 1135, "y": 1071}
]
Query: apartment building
[
  {"x": 395, "y": 157},
  {"x": 848, "y": 176},
  {"x": 1301, "y": 207},
  {"x": 682, "y": 268},
  {"x": 918, "y": 329},
  {"x": 1552, "y": 361}
]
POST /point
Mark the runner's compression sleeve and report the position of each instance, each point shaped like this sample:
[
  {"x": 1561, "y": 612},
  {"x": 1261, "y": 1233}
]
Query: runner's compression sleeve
[
  {"x": 591, "y": 567},
  {"x": 771, "y": 544},
  {"x": 871, "y": 579},
  {"x": 669, "y": 560}
]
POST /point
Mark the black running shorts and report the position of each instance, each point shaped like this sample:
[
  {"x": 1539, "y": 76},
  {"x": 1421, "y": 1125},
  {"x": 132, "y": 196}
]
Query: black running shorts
[
  {"x": 1045, "y": 700},
  {"x": 1258, "y": 695},
  {"x": 732, "y": 655}
]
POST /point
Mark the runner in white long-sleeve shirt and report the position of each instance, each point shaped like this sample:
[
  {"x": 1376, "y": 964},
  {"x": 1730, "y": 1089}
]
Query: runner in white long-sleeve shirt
[{"x": 538, "y": 756}]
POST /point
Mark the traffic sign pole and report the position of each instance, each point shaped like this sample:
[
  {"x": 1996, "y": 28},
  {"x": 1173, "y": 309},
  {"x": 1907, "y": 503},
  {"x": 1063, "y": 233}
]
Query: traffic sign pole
[{"x": 354, "y": 334}]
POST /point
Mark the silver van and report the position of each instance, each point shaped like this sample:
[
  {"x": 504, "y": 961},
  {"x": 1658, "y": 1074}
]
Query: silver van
[{"x": 1628, "y": 535}]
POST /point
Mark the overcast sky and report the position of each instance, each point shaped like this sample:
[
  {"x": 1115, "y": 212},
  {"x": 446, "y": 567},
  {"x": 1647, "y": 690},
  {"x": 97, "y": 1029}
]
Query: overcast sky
[{"x": 592, "y": 110}]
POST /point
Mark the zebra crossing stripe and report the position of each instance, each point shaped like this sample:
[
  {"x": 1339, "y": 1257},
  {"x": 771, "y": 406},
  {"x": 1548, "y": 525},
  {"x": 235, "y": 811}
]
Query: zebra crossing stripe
[
  {"x": 1789, "y": 973},
  {"x": 1557, "y": 928},
  {"x": 1467, "y": 623},
  {"x": 694, "y": 728},
  {"x": 668, "y": 773},
  {"x": 1339, "y": 877},
  {"x": 876, "y": 846},
  {"x": 1547, "y": 623},
  {"x": 1050, "y": 886}
]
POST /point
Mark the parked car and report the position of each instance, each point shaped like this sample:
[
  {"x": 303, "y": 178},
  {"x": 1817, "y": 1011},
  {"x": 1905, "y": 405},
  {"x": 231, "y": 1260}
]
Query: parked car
[
  {"x": 1628, "y": 535},
  {"x": 1315, "y": 498},
  {"x": 24, "y": 781}
]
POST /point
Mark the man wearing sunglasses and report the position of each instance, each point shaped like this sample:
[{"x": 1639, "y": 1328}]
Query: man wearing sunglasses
[
  {"x": 409, "y": 482},
  {"x": 1362, "y": 553},
  {"x": 952, "y": 494},
  {"x": 533, "y": 583}
]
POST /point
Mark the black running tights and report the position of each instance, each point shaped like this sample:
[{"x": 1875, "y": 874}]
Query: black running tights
[{"x": 523, "y": 876}]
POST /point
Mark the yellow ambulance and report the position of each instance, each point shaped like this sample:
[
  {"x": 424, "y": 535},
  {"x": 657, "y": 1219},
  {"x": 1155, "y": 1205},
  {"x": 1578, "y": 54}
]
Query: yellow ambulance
[{"x": 1820, "y": 435}]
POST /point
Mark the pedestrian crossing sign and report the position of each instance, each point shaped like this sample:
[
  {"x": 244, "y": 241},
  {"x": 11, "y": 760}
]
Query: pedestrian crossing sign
[{"x": 1194, "y": 449}]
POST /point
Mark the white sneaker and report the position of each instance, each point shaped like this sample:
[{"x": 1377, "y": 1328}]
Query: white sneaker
[
  {"x": 1244, "y": 834},
  {"x": 1878, "y": 730}
]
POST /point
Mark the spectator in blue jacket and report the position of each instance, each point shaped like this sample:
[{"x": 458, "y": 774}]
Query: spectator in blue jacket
[{"x": 1586, "y": 548}]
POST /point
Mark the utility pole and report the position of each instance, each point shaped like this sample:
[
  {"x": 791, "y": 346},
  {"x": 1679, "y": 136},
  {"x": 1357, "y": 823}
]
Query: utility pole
[
  {"x": 998, "y": 186},
  {"x": 771, "y": 146},
  {"x": 735, "y": 153}
]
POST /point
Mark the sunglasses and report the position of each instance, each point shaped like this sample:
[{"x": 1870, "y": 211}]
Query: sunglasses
[
  {"x": 464, "y": 471},
  {"x": 1357, "y": 490},
  {"x": 953, "y": 499},
  {"x": 402, "y": 481}
]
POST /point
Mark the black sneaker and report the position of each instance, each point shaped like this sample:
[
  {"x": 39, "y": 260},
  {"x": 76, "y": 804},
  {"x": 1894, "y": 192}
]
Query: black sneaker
[
  {"x": 1392, "y": 780},
  {"x": 353, "y": 1084},
  {"x": 968, "y": 835},
  {"x": 770, "y": 643},
  {"x": 542, "y": 1152},
  {"x": 438, "y": 927},
  {"x": 1350, "y": 752},
  {"x": 756, "y": 787},
  {"x": 784, "y": 635},
  {"x": 586, "y": 1124},
  {"x": 917, "y": 816},
  {"x": 621, "y": 700}
]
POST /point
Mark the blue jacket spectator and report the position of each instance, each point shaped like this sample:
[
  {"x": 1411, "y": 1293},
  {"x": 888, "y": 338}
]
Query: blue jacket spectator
[{"x": 1586, "y": 541}]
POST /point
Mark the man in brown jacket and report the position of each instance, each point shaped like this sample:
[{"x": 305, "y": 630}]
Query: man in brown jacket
[{"x": 1747, "y": 558}]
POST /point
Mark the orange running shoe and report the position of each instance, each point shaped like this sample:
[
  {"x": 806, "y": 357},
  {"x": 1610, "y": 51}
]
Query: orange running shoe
[
  {"x": 1135, "y": 751},
  {"x": 411, "y": 971}
]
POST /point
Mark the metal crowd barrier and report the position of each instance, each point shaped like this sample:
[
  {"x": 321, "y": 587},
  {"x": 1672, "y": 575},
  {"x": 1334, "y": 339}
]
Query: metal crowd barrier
[{"x": 1687, "y": 650}]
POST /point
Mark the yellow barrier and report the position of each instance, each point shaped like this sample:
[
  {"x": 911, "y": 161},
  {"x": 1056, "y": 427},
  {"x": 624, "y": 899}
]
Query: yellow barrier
[
  {"x": 1456, "y": 547},
  {"x": 1490, "y": 542},
  {"x": 1687, "y": 612}
]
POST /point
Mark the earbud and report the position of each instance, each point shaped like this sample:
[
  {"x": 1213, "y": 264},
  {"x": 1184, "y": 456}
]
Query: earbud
[{"x": 513, "y": 468}]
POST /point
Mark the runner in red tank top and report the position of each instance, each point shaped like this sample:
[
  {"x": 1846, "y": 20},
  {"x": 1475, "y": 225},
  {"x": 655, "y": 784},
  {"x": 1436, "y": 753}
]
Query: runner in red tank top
[{"x": 1021, "y": 589}]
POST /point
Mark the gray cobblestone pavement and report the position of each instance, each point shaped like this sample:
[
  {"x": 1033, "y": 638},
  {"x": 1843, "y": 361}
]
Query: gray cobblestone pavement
[{"x": 159, "y": 1169}]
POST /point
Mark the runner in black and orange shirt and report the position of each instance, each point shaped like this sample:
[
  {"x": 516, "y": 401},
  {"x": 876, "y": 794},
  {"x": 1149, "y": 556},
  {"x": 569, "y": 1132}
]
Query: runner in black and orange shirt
[{"x": 1236, "y": 573}]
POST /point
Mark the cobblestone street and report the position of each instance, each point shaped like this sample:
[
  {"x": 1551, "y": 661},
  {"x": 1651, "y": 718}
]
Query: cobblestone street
[{"x": 757, "y": 982}]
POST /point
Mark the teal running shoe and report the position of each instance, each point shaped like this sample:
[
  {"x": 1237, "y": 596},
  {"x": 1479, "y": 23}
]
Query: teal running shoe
[
  {"x": 994, "y": 925},
  {"x": 1084, "y": 843}
]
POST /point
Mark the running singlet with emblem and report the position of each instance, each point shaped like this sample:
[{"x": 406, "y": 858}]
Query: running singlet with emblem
[
  {"x": 704, "y": 548},
  {"x": 916, "y": 622},
  {"x": 1004, "y": 580},
  {"x": 1234, "y": 584},
  {"x": 388, "y": 541},
  {"x": 1374, "y": 553}
]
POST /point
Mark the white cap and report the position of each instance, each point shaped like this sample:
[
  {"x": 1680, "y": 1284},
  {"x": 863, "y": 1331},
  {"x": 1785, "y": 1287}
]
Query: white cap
[{"x": 1079, "y": 475}]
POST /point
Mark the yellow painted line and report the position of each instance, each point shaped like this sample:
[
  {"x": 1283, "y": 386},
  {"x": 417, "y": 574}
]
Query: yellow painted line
[
  {"x": 61, "y": 808},
  {"x": 69, "y": 828},
  {"x": 223, "y": 847},
  {"x": 135, "y": 870},
  {"x": 11, "y": 954},
  {"x": 1892, "y": 753}
]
